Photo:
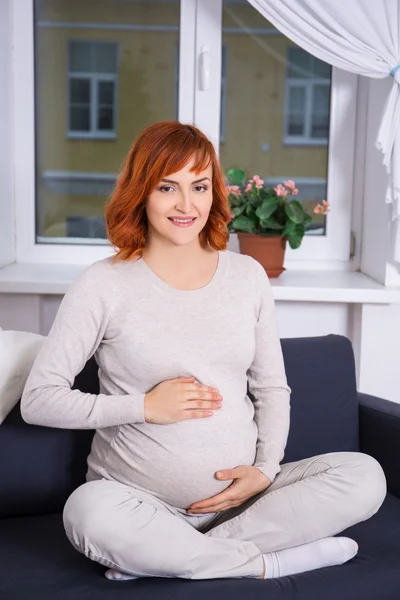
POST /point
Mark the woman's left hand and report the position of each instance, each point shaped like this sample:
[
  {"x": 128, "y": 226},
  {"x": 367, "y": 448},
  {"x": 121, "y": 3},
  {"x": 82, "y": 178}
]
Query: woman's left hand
[{"x": 247, "y": 482}]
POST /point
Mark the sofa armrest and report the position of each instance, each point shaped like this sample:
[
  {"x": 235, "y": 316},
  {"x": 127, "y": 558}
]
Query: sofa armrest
[{"x": 380, "y": 436}]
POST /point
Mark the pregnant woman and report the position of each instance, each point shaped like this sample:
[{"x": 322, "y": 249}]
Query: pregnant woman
[{"x": 184, "y": 476}]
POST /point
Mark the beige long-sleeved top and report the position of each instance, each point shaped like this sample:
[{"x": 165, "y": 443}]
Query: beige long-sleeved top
[{"x": 142, "y": 332}]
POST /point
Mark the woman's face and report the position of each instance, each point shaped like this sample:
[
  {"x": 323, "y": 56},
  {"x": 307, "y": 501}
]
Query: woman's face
[{"x": 178, "y": 208}]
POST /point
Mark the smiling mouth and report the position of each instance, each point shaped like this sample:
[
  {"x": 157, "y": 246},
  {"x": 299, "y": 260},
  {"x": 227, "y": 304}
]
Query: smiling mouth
[{"x": 182, "y": 222}]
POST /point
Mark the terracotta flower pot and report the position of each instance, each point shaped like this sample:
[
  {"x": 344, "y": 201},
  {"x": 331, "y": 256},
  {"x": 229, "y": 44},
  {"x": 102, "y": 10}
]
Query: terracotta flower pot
[{"x": 269, "y": 251}]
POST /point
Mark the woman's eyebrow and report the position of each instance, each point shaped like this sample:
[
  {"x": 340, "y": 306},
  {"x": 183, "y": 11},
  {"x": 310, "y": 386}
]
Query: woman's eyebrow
[{"x": 177, "y": 183}]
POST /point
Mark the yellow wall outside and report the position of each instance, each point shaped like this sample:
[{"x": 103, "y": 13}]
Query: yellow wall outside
[{"x": 256, "y": 70}]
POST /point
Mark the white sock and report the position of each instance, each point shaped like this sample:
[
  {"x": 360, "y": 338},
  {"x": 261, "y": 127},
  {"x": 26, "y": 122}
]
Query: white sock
[
  {"x": 326, "y": 552},
  {"x": 115, "y": 575}
]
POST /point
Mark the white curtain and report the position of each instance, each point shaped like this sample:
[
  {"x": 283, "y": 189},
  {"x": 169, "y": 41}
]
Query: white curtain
[{"x": 361, "y": 36}]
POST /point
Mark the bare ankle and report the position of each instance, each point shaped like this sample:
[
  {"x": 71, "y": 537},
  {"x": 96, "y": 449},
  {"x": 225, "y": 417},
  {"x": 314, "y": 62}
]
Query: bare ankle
[{"x": 263, "y": 573}]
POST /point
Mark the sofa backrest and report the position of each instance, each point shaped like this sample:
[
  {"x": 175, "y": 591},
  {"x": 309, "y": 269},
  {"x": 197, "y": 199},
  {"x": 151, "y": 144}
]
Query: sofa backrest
[
  {"x": 40, "y": 467},
  {"x": 324, "y": 404}
]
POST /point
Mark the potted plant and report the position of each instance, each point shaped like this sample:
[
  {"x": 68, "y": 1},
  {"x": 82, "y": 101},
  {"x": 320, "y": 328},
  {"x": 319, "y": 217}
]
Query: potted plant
[{"x": 266, "y": 218}]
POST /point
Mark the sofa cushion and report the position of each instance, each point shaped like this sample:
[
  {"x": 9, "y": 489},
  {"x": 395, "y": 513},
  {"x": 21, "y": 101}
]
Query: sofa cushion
[
  {"x": 18, "y": 351},
  {"x": 324, "y": 403},
  {"x": 45, "y": 465},
  {"x": 41, "y": 466},
  {"x": 39, "y": 563}
]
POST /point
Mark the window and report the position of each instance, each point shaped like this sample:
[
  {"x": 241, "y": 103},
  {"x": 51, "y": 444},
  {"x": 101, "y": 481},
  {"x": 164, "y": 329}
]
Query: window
[
  {"x": 268, "y": 106},
  {"x": 307, "y": 102},
  {"x": 280, "y": 115},
  {"x": 92, "y": 89},
  {"x": 255, "y": 89},
  {"x": 101, "y": 76}
]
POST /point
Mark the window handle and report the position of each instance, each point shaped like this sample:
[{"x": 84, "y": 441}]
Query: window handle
[{"x": 204, "y": 70}]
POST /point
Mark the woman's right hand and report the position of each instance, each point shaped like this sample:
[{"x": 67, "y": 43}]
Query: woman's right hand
[{"x": 178, "y": 399}]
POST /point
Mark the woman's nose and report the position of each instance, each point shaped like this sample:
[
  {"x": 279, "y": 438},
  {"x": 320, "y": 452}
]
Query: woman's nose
[{"x": 184, "y": 203}]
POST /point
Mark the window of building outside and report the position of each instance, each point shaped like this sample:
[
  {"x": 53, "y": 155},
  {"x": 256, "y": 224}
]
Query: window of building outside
[
  {"x": 105, "y": 71},
  {"x": 92, "y": 89},
  {"x": 307, "y": 99}
]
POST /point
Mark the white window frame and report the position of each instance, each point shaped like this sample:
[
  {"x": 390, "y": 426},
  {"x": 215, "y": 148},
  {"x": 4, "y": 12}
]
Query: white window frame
[
  {"x": 334, "y": 246},
  {"x": 201, "y": 23},
  {"x": 224, "y": 61},
  {"x": 95, "y": 79}
]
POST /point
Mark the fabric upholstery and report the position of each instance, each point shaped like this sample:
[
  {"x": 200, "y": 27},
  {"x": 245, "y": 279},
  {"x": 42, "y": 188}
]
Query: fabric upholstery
[
  {"x": 18, "y": 351},
  {"x": 380, "y": 436}
]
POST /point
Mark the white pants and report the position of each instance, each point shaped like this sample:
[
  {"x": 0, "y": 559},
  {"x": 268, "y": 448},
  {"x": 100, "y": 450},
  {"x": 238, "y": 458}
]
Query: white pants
[{"x": 134, "y": 532}]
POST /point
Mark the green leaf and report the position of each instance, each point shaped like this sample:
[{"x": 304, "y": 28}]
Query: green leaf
[
  {"x": 289, "y": 227},
  {"x": 307, "y": 219},
  {"x": 236, "y": 176},
  {"x": 295, "y": 237},
  {"x": 243, "y": 223},
  {"x": 267, "y": 208},
  {"x": 271, "y": 223},
  {"x": 251, "y": 213},
  {"x": 295, "y": 211},
  {"x": 234, "y": 200},
  {"x": 238, "y": 210},
  {"x": 254, "y": 199}
]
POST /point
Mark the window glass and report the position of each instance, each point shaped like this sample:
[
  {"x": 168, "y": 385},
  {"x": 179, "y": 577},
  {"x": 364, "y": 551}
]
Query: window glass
[
  {"x": 104, "y": 70},
  {"x": 276, "y": 107}
]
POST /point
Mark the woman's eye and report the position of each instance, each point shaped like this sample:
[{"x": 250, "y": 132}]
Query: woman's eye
[
  {"x": 165, "y": 188},
  {"x": 201, "y": 188}
]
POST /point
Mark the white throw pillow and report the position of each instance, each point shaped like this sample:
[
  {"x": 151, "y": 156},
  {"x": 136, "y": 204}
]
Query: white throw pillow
[{"x": 18, "y": 350}]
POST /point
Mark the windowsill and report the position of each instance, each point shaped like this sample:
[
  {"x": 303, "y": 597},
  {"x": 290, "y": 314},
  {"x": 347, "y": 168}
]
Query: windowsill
[{"x": 294, "y": 286}]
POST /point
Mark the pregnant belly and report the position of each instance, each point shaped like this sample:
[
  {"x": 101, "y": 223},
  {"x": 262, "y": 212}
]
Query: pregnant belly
[{"x": 177, "y": 463}]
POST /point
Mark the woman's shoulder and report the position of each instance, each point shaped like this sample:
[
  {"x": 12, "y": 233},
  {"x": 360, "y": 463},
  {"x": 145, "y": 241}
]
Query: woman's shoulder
[
  {"x": 244, "y": 265},
  {"x": 107, "y": 269},
  {"x": 100, "y": 270}
]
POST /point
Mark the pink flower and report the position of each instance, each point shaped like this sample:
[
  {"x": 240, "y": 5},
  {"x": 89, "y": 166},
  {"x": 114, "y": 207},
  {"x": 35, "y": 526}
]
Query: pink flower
[
  {"x": 233, "y": 189},
  {"x": 323, "y": 208},
  {"x": 258, "y": 181},
  {"x": 294, "y": 192},
  {"x": 232, "y": 216},
  {"x": 280, "y": 190},
  {"x": 249, "y": 186},
  {"x": 290, "y": 185}
]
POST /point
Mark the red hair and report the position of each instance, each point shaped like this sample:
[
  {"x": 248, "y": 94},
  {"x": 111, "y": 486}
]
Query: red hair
[{"x": 162, "y": 149}]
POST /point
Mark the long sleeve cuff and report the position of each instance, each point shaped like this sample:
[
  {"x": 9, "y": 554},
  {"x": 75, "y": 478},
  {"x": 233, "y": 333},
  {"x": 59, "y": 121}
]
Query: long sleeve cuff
[
  {"x": 132, "y": 409},
  {"x": 269, "y": 468}
]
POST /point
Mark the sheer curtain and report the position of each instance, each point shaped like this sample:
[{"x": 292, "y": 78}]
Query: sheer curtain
[{"x": 361, "y": 36}]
